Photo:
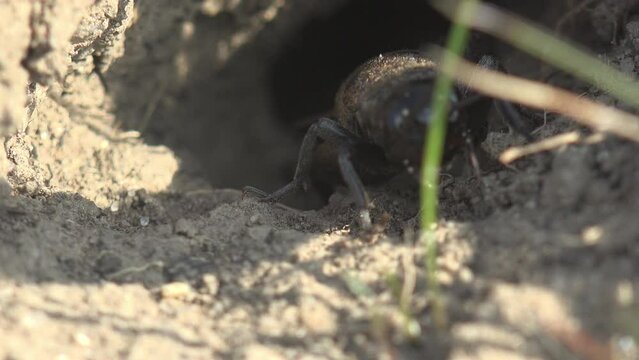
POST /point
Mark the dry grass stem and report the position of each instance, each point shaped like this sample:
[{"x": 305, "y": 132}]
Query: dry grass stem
[
  {"x": 553, "y": 142},
  {"x": 545, "y": 97}
]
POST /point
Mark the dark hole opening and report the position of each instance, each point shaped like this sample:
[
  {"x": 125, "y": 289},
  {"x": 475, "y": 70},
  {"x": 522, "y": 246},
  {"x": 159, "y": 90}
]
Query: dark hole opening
[{"x": 312, "y": 64}]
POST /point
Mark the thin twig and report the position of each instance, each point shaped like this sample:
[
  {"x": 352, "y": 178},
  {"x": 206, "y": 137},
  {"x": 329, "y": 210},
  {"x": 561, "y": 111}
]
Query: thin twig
[
  {"x": 120, "y": 275},
  {"x": 553, "y": 142}
]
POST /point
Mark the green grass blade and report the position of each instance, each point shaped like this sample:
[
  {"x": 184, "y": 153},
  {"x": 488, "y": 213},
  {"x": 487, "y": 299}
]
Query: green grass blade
[{"x": 433, "y": 151}]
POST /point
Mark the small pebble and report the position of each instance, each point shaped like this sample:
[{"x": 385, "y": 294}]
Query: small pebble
[
  {"x": 592, "y": 235},
  {"x": 211, "y": 284},
  {"x": 144, "y": 221},
  {"x": 176, "y": 290},
  {"x": 466, "y": 275},
  {"x": 82, "y": 339}
]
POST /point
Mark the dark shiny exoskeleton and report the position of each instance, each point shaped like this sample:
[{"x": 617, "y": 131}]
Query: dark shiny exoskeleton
[{"x": 380, "y": 117}]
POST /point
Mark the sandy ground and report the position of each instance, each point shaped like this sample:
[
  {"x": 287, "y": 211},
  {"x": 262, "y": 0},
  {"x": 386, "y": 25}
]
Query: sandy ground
[{"x": 115, "y": 244}]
